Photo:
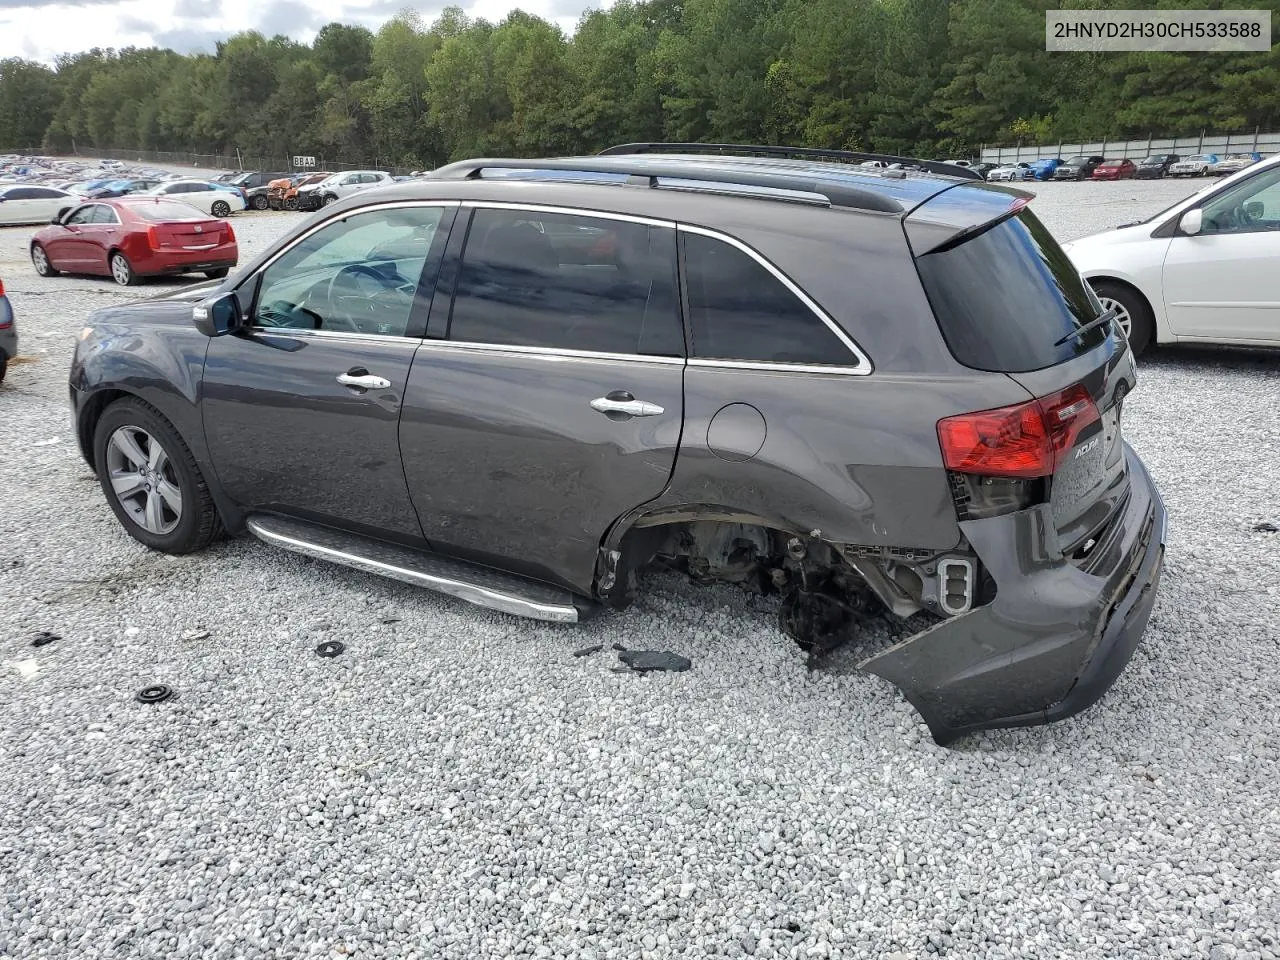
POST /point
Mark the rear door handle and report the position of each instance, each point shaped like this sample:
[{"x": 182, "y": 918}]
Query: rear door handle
[
  {"x": 362, "y": 380},
  {"x": 629, "y": 407}
]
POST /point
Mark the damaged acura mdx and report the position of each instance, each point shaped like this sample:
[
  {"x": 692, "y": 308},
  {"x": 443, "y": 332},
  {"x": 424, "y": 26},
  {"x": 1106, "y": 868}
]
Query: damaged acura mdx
[{"x": 871, "y": 391}]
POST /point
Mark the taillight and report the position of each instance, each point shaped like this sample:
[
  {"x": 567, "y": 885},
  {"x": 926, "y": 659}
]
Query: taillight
[
  {"x": 153, "y": 238},
  {"x": 229, "y": 234},
  {"x": 1024, "y": 440},
  {"x": 1, "y": 288}
]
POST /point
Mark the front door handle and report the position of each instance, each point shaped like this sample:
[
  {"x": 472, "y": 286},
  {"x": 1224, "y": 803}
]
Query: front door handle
[
  {"x": 626, "y": 405},
  {"x": 361, "y": 379}
]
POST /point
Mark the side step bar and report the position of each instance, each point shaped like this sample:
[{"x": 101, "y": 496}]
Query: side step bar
[{"x": 482, "y": 586}]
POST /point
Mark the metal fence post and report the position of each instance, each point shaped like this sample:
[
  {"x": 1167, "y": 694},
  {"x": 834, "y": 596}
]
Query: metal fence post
[{"x": 1200, "y": 144}]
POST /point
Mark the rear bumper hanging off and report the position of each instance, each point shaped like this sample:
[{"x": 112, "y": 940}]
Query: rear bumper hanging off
[{"x": 1054, "y": 638}]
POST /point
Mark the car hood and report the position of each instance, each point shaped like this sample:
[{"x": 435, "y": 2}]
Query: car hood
[{"x": 167, "y": 310}]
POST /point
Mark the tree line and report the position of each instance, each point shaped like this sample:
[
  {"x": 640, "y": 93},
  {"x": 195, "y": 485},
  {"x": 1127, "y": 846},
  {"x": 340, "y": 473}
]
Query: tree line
[{"x": 916, "y": 77}]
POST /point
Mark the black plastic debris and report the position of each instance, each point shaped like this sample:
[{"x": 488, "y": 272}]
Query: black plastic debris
[
  {"x": 158, "y": 693},
  {"x": 1266, "y": 527},
  {"x": 389, "y": 620},
  {"x": 197, "y": 634},
  {"x": 44, "y": 638},
  {"x": 588, "y": 651},
  {"x": 648, "y": 661},
  {"x": 330, "y": 648}
]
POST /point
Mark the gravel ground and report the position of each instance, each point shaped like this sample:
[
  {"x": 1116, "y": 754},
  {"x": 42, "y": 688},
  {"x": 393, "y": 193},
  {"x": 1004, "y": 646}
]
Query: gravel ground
[{"x": 457, "y": 785}]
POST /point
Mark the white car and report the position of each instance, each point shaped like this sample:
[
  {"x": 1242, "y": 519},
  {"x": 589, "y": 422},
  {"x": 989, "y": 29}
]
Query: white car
[
  {"x": 1012, "y": 171},
  {"x": 1237, "y": 161},
  {"x": 334, "y": 188},
  {"x": 1201, "y": 271},
  {"x": 204, "y": 196},
  {"x": 1197, "y": 166},
  {"x": 32, "y": 203}
]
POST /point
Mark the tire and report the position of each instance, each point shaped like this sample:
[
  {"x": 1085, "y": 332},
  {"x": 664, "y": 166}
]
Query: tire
[
  {"x": 194, "y": 524},
  {"x": 121, "y": 269},
  {"x": 328, "y": 199},
  {"x": 261, "y": 203},
  {"x": 220, "y": 208},
  {"x": 291, "y": 203},
  {"x": 1141, "y": 321},
  {"x": 4, "y": 365},
  {"x": 40, "y": 260},
  {"x": 218, "y": 274}
]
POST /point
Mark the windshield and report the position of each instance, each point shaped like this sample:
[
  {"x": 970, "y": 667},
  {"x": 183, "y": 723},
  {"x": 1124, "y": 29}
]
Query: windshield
[
  {"x": 1005, "y": 297},
  {"x": 1078, "y": 160}
]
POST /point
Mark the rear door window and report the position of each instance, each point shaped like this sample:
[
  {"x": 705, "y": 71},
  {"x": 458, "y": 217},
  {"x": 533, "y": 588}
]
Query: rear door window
[
  {"x": 1005, "y": 297},
  {"x": 740, "y": 310},
  {"x": 567, "y": 282}
]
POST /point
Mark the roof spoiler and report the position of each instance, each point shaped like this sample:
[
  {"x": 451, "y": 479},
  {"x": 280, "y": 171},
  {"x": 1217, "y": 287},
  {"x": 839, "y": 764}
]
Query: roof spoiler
[
  {"x": 795, "y": 153},
  {"x": 964, "y": 211}
]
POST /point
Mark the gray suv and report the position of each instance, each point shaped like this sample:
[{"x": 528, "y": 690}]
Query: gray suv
[{"x": 873, "y": 392}]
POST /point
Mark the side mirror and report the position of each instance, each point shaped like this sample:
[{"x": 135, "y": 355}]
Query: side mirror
[
  {"x": 219, "y": 316},
  {"x": 1192, "y": 221}
]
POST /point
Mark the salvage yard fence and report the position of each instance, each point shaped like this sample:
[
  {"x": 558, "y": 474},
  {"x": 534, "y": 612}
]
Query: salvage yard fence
[
  {"x": 233, "y": 160},
  {"x": 1255, "y": 142}
]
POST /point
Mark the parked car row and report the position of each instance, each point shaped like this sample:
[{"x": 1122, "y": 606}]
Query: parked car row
[
  {"x": 1096, "y": 167},
  {"x": 59, "y": 184}
]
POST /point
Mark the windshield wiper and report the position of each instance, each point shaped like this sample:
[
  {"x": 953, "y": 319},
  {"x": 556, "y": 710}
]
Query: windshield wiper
[{"x": 1105, "y": 317}]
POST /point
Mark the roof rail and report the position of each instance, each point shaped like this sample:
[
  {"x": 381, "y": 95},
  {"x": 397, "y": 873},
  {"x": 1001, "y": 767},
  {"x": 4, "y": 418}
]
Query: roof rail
[
  {"x": 653, "y": 173},
  {"x": 805, "y": 153}
]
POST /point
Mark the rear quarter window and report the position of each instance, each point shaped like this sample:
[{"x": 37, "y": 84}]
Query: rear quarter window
[{"x": 1005, "y": 297}]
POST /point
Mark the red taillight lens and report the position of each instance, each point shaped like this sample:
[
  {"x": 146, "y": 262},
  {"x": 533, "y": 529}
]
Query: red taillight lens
[
  {"x": 1066, "y": 414},
  {"x": 1, "y": 288},
  {"x": 229, "y": 234},
  {"x": 1025, "y": 440},
  {"x": 1005, "y": 442},
  {"x": 153, "y": 238}
]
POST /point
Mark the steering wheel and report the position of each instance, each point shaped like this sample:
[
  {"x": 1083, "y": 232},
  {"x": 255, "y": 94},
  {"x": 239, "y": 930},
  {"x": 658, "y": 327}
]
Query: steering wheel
[{"x": 347, "y": 291}]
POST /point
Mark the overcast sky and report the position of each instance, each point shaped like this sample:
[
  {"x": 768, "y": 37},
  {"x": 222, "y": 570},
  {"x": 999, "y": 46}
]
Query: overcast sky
[{"x": 41, "y": 29}]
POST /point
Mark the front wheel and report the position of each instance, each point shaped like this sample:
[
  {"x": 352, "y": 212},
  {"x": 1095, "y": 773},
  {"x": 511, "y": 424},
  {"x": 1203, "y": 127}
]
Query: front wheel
[
  {"x": 122, "y": 270},
  {"x": 1133, "y": 313},
  {"x": 40, "y": 260},
  {"x": 261, "y": 203},
  {"x": 291, "y": 203},
  {"x": 217, "y": 274},
  {"x": 328, "y": 199},
  {"x": 220, "y": 208},
  {"x": 152, "y": 482}
]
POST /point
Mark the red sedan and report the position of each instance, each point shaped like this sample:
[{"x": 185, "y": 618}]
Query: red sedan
[
  {"x": 132, "y": 237},
  {"x": 1115, "y": 170}
]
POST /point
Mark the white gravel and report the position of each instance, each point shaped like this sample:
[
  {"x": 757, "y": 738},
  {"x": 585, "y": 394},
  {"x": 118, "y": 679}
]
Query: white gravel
[{"x": 458, "y": 785}]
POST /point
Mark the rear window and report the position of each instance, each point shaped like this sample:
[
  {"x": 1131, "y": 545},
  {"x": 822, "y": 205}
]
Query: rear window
[
  {"x": 1005, "y": 296},
  {"x": 164, "y": 210}
]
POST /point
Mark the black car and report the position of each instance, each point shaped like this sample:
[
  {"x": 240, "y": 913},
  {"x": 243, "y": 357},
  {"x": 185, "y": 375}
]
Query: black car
[
  {"x": 868, "y": 392},
  {"x": 1156, "y": 166},
  {"x": 1078, "y": 168}
]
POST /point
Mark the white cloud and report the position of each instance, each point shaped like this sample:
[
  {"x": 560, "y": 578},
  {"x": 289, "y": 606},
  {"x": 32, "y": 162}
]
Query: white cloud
[{"x": 42, "y": 29}]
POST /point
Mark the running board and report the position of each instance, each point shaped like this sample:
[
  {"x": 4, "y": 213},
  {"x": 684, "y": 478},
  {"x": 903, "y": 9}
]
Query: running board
[{"x": 482, "y": 586}]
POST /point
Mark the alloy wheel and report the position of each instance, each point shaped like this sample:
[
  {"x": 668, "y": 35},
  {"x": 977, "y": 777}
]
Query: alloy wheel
[
  {"x": 1122, "y": 315},
  {"x": 121, "y": 272},
  {"x": 143, "y": 480},
  {"x": 41, "y": 260}
]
